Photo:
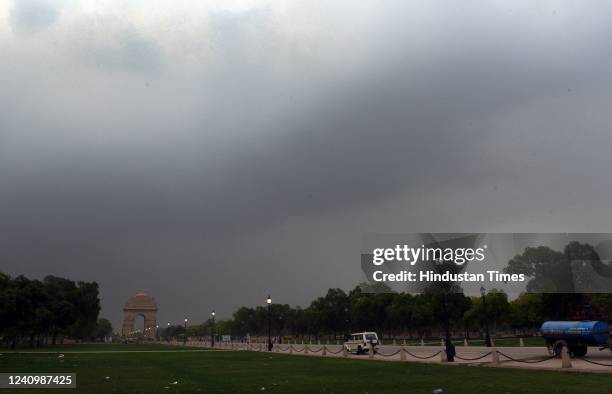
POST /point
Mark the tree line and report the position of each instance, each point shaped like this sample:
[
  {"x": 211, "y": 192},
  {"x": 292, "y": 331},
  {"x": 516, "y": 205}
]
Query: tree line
[
  {"x": 442, "y": 310},
  {"x": 392, "y": 315},
  {"x": 42, "y": 311}
]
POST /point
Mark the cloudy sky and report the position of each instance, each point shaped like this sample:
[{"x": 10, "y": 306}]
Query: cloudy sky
[{"x": 212, "y": 152}]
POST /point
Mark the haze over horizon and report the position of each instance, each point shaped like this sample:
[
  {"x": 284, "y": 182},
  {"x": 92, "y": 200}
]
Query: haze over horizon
[{"x": 210, "y": 153}]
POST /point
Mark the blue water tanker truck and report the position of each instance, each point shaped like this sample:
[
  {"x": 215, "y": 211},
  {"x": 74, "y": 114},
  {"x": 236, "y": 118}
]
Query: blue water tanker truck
[{"x": 576, "y": 336}]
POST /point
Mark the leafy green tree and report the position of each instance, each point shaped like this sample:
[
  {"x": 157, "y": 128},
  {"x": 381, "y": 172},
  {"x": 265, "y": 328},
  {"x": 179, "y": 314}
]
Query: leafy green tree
[
  {"x": 32, "y": 305},
  {"x": 527, "y": 311},
  {"x": 62, "y": 294},
  {"x": 87, "y": 305},
  {"x": 245, "y": 321},
  {"x": 10, "y": 316},
  {"x": 298, "y": 324},
  {"x": 104, "y": 328},
  {"x": 400, "y": 312},
  {"x": 473, "y": 317},
  {"x": 422, "y": 314},
  {"x": 362, "y": 310},
  {"x": 601, "y": 306},
  {"x": 547, "y": 268},
  {"x": 553, "y": 273},
  {"x": 498, "y": 307},
  {"x": 332, "y": 311},
  {"x": 577, "y": 268}
]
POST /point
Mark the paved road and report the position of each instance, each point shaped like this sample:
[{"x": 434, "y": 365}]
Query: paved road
[{"x": 530, "y": 357}]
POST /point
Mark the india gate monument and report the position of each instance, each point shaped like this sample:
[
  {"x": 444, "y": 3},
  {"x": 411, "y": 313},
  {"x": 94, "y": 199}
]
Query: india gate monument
[{"x": 140, "y": 304}]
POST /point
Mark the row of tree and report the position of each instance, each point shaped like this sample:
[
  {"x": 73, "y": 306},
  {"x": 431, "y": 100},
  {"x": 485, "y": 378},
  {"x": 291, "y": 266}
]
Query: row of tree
[
  {"x": 39, "y": 311},
  {"x": 396, "y": 314},
  {"x": 555, "y": 276}
]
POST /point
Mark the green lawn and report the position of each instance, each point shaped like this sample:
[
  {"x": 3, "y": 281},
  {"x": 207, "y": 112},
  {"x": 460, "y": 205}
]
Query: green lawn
[
  {"x": 94, "y": 347},
  {"x": 249, "y": 372}
]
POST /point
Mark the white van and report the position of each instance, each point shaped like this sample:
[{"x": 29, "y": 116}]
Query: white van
[{"x": 362, "y": 342}]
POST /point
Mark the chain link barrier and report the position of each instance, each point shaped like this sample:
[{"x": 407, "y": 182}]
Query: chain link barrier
[
  {"x": 526, "y": 361},
  {"x": 594, "y": 362},
  {"x": 421, "y": 357},
  {"x": 332, "y": 352},
  {"x": 473, "y": 359},
  {"x": 388, "y": 355}
]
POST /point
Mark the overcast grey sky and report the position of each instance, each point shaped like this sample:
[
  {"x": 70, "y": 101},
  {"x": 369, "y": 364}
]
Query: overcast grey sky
[{"x": 210, "y": 153}]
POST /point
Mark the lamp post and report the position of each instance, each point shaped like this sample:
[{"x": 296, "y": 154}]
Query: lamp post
[
  {"x": 157, "y": 332},
  {"x": 185, "y": 336},
  {"x": 486, "y": 321},
  {"x": 168, "y": 332},
  {"x": 212, "y": 330},
  {"x": 269, "y": 301}
]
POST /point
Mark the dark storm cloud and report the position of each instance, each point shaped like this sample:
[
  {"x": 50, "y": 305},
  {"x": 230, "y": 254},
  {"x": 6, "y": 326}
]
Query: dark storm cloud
[
  {"x": 130, "y": 52},
  {"x": 215, "y": 156},
  {"x": 30, "y": 16}
]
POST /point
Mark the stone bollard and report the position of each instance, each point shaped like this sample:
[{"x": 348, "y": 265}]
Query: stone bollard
[
  {"x": 494, "y": 356},
  {"x": 443, "y": 357},
  {"x": 521, "y": 342},
  {"x": 277, "y": 348},
  {"x": 344, "y": 352},
  {"x": 422, "y": 342},
  {"x": 566, "y": 361},
  {"x": 442, "y": 343},
  {"x": 402, "y": 354},
  {"x": 371, "y": 353},
  {"x": 305, "y": 349},
  {"x": 337, "y": 342},
  {"x": 404, "y": 342},
  {"x": 318, "y": 341},
  {"x": 394, "y": 344},
  {"x": 465, "y": 342},
  {"x": 290, "y": 349},
  {"x": 324, "y": 351},
  {"x": 492, "y": 343}
]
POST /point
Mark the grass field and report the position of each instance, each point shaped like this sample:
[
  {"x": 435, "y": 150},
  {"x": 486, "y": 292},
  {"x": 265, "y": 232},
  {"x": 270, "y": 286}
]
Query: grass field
[
  {"x": 249, "y": 372},
  {"x": 96, "y": 347}
]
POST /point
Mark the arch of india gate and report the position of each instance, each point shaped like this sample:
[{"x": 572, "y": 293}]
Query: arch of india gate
[{"x": 140, "y": 304}]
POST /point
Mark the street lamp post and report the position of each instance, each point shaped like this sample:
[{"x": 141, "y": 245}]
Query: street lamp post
[
  {"x": 168, "y": 333},
  {"x": 486, "y": 320},
  {"x": 269, "y": 301},
  {"x": 212, "y": 330},
  {"x": 185, "y": 336},
  {"x": 157, "y": 332}
]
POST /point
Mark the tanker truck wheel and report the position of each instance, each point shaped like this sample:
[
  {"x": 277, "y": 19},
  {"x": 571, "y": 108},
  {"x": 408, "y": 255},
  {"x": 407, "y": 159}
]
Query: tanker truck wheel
[
  {"x": 558, "y": 346},
  {"x": 578, "y": 350}
]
